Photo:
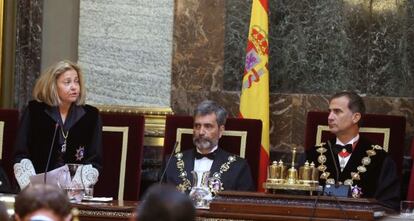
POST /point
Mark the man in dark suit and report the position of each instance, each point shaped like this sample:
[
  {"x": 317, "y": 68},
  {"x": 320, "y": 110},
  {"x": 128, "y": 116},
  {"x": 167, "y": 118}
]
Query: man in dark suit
[
  {"x": 351, "y": 159},
  {"x": 226, "y": 171}
]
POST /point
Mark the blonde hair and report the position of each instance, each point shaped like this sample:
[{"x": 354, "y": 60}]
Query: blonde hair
[{"x": 45, "y": 89}]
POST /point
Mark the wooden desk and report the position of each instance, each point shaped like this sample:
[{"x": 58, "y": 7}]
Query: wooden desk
[
  {"x": 247, "y": 206},
  {"x": 115, "y": 210},
  {"x": 254, "y": 206},
  {"x": 264, "y": 206}
]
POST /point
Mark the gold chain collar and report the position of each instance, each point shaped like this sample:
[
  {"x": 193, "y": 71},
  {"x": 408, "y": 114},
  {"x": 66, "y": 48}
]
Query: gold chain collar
[
  {"x": 354, "y": 175},
  {"x": 216, "y": 178}
]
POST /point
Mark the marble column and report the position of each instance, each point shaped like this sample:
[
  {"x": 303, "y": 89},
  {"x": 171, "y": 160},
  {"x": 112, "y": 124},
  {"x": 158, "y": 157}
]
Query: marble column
[{"x": 28, "y": 49}]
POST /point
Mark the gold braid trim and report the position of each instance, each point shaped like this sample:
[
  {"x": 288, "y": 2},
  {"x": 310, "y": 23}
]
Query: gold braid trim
[
  {"x": 354, "y": 175},
  {"x": 186, "y": 184}
]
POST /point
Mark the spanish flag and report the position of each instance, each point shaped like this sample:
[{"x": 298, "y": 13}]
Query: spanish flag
[{"x": 254, "y": 100}]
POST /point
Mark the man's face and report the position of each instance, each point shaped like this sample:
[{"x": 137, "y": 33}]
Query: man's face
[
  {"x": 341, "y": 120},
  {"x": 206, "y": 132}
]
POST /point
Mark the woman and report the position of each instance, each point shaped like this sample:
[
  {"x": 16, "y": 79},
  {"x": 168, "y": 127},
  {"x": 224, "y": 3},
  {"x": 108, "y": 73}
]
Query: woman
[{"x": 58, "y": 116}]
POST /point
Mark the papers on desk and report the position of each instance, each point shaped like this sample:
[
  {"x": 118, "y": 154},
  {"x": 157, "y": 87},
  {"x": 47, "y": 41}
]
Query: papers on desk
[
  {"x": 52, "y": 177},
  {"x": 98, "y": 199}
]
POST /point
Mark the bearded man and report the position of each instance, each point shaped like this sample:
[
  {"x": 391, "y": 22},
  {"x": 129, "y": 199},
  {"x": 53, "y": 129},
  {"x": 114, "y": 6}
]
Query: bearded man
[{"x": 226, "y": 171}]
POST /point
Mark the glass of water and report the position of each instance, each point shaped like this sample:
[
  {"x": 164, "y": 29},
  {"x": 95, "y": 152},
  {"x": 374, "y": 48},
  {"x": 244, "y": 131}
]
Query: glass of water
[
  {"x": 88, "y": 193},
  {"x": 407, "y": 209}
]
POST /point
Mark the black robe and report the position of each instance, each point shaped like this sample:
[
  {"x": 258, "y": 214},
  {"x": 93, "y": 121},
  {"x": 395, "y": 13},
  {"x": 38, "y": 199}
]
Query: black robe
[
  {"x": 238, "y": 177},
  {"x": 380, "y": 181},
  {"x": 38, "y": 125},
  {"x": 5, "y": 186}
]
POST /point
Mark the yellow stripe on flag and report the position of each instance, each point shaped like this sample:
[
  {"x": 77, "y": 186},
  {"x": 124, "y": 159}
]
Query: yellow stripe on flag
[{"x": 254, "y": 100}]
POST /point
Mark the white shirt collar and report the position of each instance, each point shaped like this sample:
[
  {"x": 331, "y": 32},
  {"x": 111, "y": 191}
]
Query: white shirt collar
[
  {"x": 211, "y": 151},
  {"x": 352, "y": 141}
]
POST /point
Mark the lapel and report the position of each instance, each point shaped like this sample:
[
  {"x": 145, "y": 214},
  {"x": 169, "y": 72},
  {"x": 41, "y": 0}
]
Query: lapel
[
  {"x": 330, "y": 161},
  {"x": 219, "y": 159},
  {"x": 189, "y": 164}
]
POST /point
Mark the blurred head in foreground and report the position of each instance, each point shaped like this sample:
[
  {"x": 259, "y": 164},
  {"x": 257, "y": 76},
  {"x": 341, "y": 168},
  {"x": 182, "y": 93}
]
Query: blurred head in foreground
[
  {"x": 42, "y": 202},
  {"x": 166, "y": 203}
]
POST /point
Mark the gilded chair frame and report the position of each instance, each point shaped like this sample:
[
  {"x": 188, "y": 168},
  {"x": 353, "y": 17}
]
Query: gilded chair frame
[
  {"x": 2, "y": 123},
  {"x": 385, "y": 131},
  {"x": 124, "y": 150}
]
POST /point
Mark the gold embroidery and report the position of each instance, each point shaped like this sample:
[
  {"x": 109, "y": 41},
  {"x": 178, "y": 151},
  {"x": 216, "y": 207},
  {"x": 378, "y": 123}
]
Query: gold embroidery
[
  {"x": 186, "y": 184},
  {"x": 354, "y": 175},
  {"x": 217, "y": 175}
]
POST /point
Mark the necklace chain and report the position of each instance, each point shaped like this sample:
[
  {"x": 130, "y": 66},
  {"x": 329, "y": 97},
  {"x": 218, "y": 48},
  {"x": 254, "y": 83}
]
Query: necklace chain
[{"x": 65, "y": 136}]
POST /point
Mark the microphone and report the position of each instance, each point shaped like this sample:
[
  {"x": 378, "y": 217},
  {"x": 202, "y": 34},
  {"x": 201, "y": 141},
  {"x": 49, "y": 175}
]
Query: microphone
[
  {"x": 168, "y": 162},
  {"x": 334, "y": 161},
  {"x": 50, "y": 151}
]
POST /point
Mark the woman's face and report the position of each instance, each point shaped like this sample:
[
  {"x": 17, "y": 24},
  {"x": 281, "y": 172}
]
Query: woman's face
[{"x": 68, "y": 87}]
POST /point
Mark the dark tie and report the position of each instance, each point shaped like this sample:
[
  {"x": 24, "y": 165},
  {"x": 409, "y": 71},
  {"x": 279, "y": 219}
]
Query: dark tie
[
  {"x": 347, "y": 148},
  {"x": 209, "y": 155}
]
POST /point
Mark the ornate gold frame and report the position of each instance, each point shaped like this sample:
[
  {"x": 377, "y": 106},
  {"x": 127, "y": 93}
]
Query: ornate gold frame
[
  {"x": 154, "y": 121},
  {"x": 385, "y": 131},
  {"x": 236, "y": 133},
  {"x": 1, "y": 138},
  {"x": 124, "y": 149},
  {"x": 1, "y": 40}
]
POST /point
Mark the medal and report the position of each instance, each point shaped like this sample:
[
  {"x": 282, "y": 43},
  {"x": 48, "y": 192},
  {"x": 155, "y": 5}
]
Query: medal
[
  {"x": 215, "y": 185},
  {"x": 80, "y": 153},
  {"x": 356, "y": 191}
]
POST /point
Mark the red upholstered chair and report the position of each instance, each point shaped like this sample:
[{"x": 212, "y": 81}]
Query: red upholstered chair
[
  {"x": 9, "y": 119},
  {"x": 410, "y": 194},
  {"x": 385, "y": 130},
  {"x": 122, "y": 138},
  {"x": 241, "y": 137}
]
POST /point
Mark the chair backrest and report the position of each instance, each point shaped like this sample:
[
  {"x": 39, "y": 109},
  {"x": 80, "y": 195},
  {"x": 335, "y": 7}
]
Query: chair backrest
[
  {"x": 387, "y": 131},
  {"x": 122, "y": 138},
  {"x": 241, "y": 137},
  {"x": 9, "y": 119},
  {"x": 410, "y": 194}
]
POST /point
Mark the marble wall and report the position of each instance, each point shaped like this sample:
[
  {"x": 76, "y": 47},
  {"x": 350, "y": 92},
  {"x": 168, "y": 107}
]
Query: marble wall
[
  {"x": 125, "y": 47},
  {"x": 317, "y": 48},
  {"x": 321, "y": 47},
  {"x": 28, "y": 49}
]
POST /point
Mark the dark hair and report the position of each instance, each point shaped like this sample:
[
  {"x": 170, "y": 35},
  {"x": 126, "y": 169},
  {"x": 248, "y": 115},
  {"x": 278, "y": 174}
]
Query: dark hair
[
  {"x": 355, "y": 104},
  {"x": 209, "y": 107},
  {"x": 165, "y": 203},
  {"x": 42, "y": 196},
  {"x": 3, "y": 212}
]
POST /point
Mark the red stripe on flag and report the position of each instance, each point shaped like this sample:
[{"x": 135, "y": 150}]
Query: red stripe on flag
[
  {"x": 264, "y": 161},
  {"x": 265, "y": 5},
  {"x": 256, "y": 75}
]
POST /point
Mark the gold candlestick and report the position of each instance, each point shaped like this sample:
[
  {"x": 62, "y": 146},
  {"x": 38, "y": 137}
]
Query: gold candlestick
[{"x": 292, "y": 172}]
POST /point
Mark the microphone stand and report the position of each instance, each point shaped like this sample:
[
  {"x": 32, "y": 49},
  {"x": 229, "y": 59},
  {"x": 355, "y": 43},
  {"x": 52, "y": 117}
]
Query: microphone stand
[
  {"x": 334, "y": 161},
  {"x": 336, "y": 182},
  {"x": 50, "y": 151},
  {"x": 168, "y": 162}
]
